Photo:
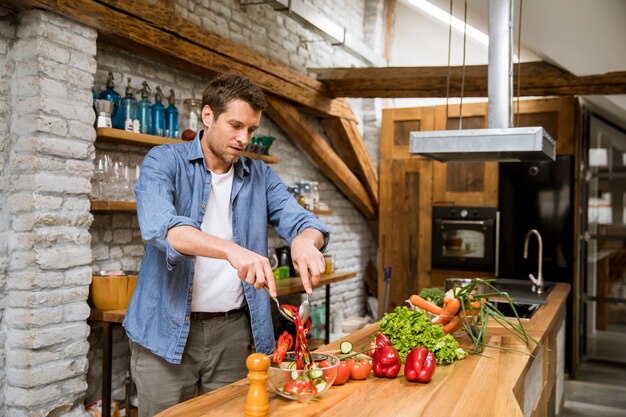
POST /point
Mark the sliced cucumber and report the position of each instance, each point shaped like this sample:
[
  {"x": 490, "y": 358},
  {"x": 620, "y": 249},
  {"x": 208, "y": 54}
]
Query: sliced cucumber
[
  {"x": 316, "y": 373},
  {"x": 345, "y": 347},
  {"x": 321, "y": 386},
  {"x": 295, "y": 375}
]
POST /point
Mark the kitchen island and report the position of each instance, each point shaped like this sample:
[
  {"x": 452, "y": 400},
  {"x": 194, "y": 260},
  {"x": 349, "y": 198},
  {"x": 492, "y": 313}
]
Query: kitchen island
[{"x": 497, "y": 383}]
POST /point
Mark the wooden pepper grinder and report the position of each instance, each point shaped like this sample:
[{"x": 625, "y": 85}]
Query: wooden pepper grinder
[{"x": 257, "y": 403}]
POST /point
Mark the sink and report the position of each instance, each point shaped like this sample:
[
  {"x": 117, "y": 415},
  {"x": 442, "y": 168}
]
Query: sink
[
  {"x": 524, "y": 311},
  {"x": 521, "y": 290}
]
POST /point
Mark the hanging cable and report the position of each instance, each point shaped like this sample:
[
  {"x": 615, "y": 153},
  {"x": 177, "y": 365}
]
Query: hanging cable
[
  {"x": 519, "y": 61},
  {"x": 463, "y": 72},
  {"x": 449, "y": 49}
]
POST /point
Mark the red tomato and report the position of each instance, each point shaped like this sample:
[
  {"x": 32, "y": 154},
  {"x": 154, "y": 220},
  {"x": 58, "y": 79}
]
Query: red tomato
[
  {"x": 360, "y": 368},
  {"x": 329, "y": 374},
  {"x": 343, "y": 373}
]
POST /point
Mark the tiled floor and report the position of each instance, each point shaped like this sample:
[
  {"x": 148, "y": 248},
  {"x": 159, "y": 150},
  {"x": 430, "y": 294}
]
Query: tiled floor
[{"x": 599, "y": 390}]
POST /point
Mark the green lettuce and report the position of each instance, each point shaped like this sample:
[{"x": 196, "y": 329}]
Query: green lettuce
[{"x": 408, "y": 329}]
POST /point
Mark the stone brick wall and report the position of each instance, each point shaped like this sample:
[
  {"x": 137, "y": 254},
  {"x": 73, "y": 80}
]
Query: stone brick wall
[
  {"x": 7, "y": 35},
  {"x": 50, "y": 151}
]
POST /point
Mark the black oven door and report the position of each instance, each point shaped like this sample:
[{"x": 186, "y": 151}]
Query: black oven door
[{"x": 464, "y": 237}]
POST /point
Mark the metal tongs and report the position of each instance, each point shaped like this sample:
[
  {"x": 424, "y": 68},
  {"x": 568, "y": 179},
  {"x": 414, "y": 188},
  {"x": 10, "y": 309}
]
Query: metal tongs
[{"x": 304, "y": 311}]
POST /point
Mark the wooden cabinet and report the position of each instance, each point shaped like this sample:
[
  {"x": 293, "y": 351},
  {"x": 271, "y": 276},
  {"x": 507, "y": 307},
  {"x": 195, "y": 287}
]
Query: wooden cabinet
[
  {"x": 464, "y": 183},
  {"x": 405, "y": 208}
]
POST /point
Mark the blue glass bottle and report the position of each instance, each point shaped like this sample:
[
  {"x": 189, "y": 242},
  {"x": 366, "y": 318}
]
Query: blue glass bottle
[
  {"x": 143, "y": 110},
  {"x": 110, "y": 94},
  {"x": 129, "y": 108},
  {"x": 171, "y": 117},
  {"x": 158, "y": 114}
]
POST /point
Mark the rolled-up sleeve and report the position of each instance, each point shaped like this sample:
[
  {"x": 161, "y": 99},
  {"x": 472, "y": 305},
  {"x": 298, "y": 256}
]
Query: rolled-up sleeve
[
  {"x": 287, "y": 216},
  {"x": 155, "y": 193}
]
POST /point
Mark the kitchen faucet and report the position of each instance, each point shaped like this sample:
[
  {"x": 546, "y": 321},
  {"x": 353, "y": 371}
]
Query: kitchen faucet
[{"x": 538, "y": 282}]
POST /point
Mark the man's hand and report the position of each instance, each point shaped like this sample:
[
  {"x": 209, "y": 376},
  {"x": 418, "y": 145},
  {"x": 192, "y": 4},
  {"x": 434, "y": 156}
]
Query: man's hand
[
  {"x": 306, "y": 257},
  {"x": 252, "y": 267}
]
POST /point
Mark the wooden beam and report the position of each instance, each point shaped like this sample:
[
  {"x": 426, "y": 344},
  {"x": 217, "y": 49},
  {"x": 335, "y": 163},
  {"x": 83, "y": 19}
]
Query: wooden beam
[
  {"x": 298, "y": 129},
  {"x": 537, "y": 79},
  {"x": 157, "y": 28},
  {"x": 345, "y": 137}
]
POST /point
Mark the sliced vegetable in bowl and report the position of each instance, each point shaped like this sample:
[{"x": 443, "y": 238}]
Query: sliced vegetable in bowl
[{"x": 303, "y": 384}]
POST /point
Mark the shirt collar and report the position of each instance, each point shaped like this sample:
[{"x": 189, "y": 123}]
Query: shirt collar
[{"x": 195, "y": 152}]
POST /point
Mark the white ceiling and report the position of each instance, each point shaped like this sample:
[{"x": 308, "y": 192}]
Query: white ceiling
[{"x": 583, "y": 37}]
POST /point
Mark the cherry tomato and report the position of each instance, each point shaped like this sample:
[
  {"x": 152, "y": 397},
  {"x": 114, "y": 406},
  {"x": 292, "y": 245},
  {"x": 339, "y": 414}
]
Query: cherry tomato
[
  {"x": 360, "y": 368},
  {"x": 343, "y": 373}
]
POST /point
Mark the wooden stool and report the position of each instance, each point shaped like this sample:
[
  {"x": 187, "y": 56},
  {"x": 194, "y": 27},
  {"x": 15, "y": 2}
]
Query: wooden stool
[{"x": 257, "y": 403}]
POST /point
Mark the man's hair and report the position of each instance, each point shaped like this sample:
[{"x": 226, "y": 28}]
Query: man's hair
[{"x": 228, "y": 87}]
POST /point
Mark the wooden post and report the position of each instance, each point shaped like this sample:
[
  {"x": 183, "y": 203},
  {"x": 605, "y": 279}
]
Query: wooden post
[{"x": 257, "y": 403}]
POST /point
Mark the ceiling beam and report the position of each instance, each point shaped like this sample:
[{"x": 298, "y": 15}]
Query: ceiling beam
[
  {"x": 293, "y": 123},
  {"x": 346, "y": 139},
  {"x": 156, "y": 27},
  {"x": 537, "y": 79}
]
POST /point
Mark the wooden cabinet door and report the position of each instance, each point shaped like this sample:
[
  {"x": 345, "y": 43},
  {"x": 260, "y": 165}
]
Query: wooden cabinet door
[
  {"x": 405, "y": 207},
  {"x": 464, "y": 183}
]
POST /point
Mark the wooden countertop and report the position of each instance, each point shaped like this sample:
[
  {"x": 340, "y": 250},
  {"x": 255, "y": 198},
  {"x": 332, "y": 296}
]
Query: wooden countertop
[{"x": 496, "y": 383}]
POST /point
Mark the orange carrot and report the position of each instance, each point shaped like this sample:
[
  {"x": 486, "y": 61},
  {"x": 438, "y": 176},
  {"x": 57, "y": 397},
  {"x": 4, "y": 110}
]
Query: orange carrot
[
  {"x": 424, "y": 304},
  {"x": 449, "y": 311},
  {"x": 452, "y": 325}
]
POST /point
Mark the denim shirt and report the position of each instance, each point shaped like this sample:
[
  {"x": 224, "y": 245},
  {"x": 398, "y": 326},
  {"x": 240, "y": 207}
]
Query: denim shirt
[{"x": 172, "y": 191}]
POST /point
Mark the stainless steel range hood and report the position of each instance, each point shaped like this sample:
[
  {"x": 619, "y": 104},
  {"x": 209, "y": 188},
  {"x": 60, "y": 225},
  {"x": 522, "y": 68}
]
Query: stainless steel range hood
[
  {"x": 499, "y": 142},
  {"x": 514, "y": 144}
]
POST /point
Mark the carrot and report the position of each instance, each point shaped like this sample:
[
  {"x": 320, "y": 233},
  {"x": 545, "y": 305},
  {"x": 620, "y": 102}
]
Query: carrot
[
  {"x": 453, "y": 325},
  {"x": 449, "y": 311},
  {"x": 424, "y": 304}
]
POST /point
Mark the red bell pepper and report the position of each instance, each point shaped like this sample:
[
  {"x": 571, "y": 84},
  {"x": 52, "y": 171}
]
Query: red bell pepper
[
  {"x": 380, "y": 341},
  {"x": 386, "y": 362},
  {"x": 420, "y": 365}
]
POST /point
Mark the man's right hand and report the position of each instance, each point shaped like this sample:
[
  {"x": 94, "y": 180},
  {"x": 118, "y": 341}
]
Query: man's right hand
[{"x": 253, "y": 268}]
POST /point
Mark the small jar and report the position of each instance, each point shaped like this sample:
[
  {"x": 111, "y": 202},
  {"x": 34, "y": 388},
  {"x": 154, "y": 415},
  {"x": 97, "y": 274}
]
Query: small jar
[
  {"x": 328, "y": 260},
  {"x": 190, "y": 119}
]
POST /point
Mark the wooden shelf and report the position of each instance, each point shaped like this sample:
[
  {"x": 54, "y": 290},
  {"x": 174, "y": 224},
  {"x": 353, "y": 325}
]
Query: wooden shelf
[
  {"x": 122, "y": 137},
  {"x": 294, "y": 284},
  {"x": 105, "y": 206}
]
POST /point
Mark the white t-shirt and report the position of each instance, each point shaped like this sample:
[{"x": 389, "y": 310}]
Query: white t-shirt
[{"x": 216, "y": 286}]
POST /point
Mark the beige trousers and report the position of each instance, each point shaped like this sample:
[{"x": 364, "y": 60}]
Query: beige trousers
[{"x": 215, "y": 355}]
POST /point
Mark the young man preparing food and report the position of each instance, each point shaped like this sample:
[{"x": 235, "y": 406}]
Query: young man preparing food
[{"x": 204, "y": 211}]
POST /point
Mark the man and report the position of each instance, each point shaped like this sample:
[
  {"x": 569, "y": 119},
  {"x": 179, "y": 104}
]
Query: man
[{"x": 204, "y": 211}]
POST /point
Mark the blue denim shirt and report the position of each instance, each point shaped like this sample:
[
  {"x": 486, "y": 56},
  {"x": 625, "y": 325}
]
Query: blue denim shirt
[{"x": 172, "y": 191}]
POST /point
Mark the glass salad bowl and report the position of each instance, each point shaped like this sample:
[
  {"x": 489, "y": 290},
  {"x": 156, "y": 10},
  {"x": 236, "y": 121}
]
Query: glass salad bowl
[{"x": 303, "y": 384}]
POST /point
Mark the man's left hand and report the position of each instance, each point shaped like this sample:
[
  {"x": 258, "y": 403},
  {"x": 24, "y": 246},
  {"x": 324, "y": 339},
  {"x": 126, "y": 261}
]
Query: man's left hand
[{"x": 306, "y": 257}]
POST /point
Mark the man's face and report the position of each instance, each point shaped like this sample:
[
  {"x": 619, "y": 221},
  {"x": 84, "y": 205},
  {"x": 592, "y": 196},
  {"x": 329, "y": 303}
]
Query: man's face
[{"x": 225, "y": 138}]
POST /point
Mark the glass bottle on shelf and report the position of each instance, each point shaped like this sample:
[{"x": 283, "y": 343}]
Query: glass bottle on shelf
[
  {"x": 143, "y": 110},
  {"x": 315, "y": 195},
  {"x": 129, "y": 108},
  {"x": 157, "y": 111},
  {"x": 171, "y": 117},
  {"x": 110, "y": 94},
  {"x": 190, "y": 118}
]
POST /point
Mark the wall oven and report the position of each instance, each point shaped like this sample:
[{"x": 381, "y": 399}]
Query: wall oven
[{"x": 465, "y": 238}]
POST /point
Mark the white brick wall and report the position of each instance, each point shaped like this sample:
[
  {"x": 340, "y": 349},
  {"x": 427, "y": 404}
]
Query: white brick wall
[
  {"x": 7, "y": 35},
  {"x": 47, "y": 273}
]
